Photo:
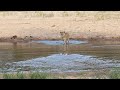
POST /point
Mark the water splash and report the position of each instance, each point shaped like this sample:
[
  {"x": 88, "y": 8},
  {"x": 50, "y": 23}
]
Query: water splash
[{"x": 66, "y": 63}]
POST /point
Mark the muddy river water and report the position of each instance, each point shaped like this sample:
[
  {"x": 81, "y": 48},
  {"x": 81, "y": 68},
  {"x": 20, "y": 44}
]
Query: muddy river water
[{"x": 53, "y": 56}]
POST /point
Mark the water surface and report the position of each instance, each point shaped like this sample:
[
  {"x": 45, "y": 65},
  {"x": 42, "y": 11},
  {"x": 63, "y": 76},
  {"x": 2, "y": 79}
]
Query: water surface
[{"x": 53, "y": 56}]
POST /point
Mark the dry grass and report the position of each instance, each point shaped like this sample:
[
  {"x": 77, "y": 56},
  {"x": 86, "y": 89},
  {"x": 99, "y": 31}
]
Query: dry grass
[
  {"x": 47, "y": 25},
  {"x": 94, "y": 74}
]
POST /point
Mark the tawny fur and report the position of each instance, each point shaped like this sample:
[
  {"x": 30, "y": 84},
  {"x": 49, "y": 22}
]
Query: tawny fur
[{"x": 65, "y": 37}]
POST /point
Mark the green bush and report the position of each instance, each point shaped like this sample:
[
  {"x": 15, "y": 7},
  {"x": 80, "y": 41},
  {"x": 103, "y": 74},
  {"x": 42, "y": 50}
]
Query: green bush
[
  {"x": 115, "y": 74},
  {"x": 37, "y": 75}
]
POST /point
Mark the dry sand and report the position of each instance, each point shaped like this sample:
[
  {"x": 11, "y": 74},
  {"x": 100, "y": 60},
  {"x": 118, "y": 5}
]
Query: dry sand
[{"x": 49, "y": 28}]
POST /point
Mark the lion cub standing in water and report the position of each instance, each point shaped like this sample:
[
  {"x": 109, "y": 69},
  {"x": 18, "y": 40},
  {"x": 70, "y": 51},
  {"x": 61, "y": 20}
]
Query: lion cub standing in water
[{"x": 65, "y": 37}]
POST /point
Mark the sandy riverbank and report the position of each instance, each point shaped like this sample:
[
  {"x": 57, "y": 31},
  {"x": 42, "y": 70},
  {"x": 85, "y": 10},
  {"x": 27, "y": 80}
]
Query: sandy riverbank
[{"x": 50, "y": 27}]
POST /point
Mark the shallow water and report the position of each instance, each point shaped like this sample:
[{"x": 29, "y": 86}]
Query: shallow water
[
  {"x": 59, "y": 42},
  {"x": 53, "y": 56}
]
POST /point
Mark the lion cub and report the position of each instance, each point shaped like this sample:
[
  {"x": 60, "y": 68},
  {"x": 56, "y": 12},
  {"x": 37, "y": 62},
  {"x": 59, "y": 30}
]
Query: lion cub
[{"x": 65, "y": 37}]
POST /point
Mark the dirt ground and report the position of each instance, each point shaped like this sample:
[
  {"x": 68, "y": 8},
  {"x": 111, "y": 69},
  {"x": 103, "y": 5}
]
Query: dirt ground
[{"x": 49, "y": 28}]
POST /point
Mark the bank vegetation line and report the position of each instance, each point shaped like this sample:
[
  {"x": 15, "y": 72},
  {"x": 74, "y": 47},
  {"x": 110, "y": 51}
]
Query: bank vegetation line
[{"x": 112, "y": 74}]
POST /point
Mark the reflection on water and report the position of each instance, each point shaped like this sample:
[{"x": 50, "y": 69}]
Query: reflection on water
[
  {"x": 14, "y": 45},
  {"x": 65, "y": 49},
  {"x": 58, "y": 57}
]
